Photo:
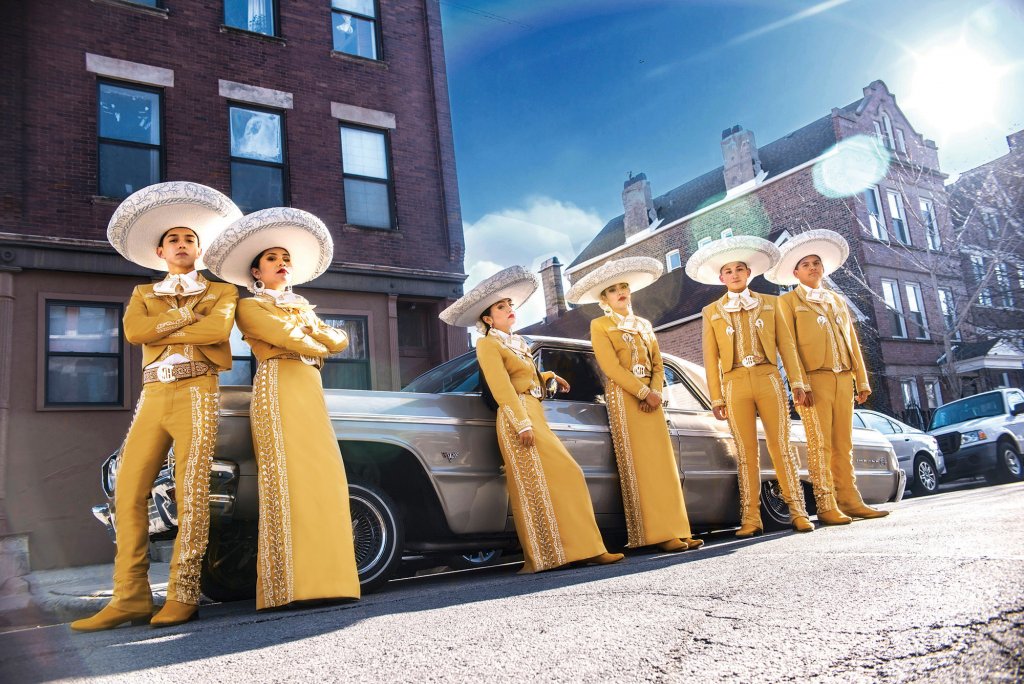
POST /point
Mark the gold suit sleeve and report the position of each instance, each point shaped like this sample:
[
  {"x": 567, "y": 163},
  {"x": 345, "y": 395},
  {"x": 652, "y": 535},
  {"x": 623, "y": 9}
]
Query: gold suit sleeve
[
  {"x": 500, "y": 384},
  {"x": 141, "y": 328},
  {"x": 335, "y": 339},
  {"x": 786, "y": 346},
  {"x": 860, "y": 371},
  {"x": 657, "y": 366},
  {"x": 712, "y": 365},
  {"x": 608, "y": 360},
  {"x": 215, "y": 326},
  {"x": 254, "y": 320}
]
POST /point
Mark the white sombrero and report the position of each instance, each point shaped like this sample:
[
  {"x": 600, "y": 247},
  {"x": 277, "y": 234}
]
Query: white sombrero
[
  {"x": 144, "y": 216},
  {"x": 706, "y": 263},
  {"x": 305, "y": 237},
  {"x": 637, "y": 272},
  {"x": 515, "y": 283},
  {"x": 827, "y": 245}
]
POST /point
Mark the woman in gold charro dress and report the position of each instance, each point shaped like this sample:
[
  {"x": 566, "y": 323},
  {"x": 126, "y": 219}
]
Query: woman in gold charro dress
[
  {"x": 628, "y": 354},
  {"x": 551, "y": 504},
  {"x": 305, "y": 532}
]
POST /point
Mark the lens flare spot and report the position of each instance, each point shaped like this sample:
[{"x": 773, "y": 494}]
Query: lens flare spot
[{"x": 852, "y": 166}]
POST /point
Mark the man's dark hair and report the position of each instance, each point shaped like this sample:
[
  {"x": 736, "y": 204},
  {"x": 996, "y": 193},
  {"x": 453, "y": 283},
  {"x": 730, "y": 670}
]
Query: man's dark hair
[{"x": 161, "y": 243}]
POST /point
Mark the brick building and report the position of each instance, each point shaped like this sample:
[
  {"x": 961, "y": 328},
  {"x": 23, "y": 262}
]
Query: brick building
[
  {"x": 861, "y": 170},
  {"x": 339, "y": 108}
]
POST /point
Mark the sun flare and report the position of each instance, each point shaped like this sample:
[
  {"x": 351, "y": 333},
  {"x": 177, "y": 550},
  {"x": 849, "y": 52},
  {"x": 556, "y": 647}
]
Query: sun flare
[{"x": 954, "y": 88}]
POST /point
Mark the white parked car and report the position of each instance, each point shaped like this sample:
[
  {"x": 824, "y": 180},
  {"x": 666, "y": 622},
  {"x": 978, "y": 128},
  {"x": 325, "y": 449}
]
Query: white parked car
[
  {"x": 982, "y": 435},
  {"x": 918, "y": 453}
]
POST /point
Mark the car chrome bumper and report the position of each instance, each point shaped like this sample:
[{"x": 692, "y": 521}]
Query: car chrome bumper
[{"x": 901, "y": 485}]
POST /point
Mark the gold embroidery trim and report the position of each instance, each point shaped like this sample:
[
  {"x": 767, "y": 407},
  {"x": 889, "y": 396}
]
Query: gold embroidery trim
[
  {"x": 747, "y": 516},
  {"x": 790, "y": 478},
  {"x": 817, "y": 464},
  {"x": 616, "y": 399}
]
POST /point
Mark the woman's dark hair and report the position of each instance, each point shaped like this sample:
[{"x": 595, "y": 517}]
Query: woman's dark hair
[{"x": 256, "y": 262}]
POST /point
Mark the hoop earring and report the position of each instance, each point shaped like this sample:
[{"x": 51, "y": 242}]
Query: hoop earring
[
  {"x": 258, "y": 286},
  {"x": 287, "y": 288}
]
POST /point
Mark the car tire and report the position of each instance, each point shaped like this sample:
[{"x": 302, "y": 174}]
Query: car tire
[
  {"x": 474, "y": 559},
  {"x": 774, "y": 511},
  {"x": 926, "y": 477},
  {"x": 1008, "y": 463},
  {"x": 228, "y": 572},
  {"x": 378, "y": 534}
]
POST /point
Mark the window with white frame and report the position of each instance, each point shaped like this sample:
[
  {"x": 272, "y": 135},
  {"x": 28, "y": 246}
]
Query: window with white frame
[
  {"x": 901, "y": 142},
  {"x": 946, "y": 303},
  {"x": 727, "y": 233},
  {"x": 991, "y": 223},
  {"x": 878, "y": 131},
  {"x": 911, "y": 397},
  {"x": 931, "y": 227},
  {"x": 1004, "y": 291},
  {"x": 876, "y": 223},
  {"x": 356, "y": 27},
  {"x": 915, "y": 310},
  {"x": 898, "y": 216},
  {"x": 891, "y": 293},
  {"x": 704, "y": 241},
  {"x": 673, "y": 260},
  {"x": 887, "y": 128},
  {"x": 978, "y": 272},
  {"x": 933, "y": 393}
]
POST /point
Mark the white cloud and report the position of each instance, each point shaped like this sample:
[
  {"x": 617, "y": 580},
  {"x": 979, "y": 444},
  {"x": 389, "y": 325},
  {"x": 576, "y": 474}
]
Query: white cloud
[{"x": 527, "y": 236}]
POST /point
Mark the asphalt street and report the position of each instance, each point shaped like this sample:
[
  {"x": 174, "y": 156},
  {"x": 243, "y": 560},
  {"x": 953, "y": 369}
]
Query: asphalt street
[{"x": 934, "y": 592}]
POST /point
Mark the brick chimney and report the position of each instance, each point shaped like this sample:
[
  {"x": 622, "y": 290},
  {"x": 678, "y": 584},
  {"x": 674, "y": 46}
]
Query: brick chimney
[
  {"x": 1015, "y": 141},
  {"x": 638, "y": 205},
  {"x": 740, "y": 154},
  {"x": 554, "y": 294}
]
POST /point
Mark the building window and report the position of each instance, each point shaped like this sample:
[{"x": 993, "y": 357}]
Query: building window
[
  {"x": 257, "y": 158},
  {"x": 258, "y": 16},
  {"x": 84, "y": 354},
  {"x": 915, "y": 310},
  {"x": 348, "y": 369},
  {"x": 931, "y": 227},
  {"x": 891, "y": 292},
  {"x": 911, "y": 398},
  {"x": 673, "y": 260},
  {"x": 130, "y": 138},
  {"x": 899, "y": 218},
  {"x": 901, "y": 142},
  {"x": 878, "y": 132},
  {"x": 991, "y": 223},
  {"x": 874, "y": 204},
  {"x": 887, "y": 130},
  {"x": 1004, "y": 292},
  {"x": 933, "y": 393},
  {"x": 703, "y": 241},
  {"x": 978, "y": 271},
  {"x": 727, "y": 233},
  {"x": 366, "y": 167},
  {"x": 946, "y": 303},
  {"x": 355, "y": 27}
]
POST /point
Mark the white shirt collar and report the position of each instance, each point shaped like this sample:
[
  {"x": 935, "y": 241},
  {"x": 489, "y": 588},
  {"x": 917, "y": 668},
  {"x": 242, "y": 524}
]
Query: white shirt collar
[
  {"x": 740, "y": 300},
  {"x": 188, "y": 282}
]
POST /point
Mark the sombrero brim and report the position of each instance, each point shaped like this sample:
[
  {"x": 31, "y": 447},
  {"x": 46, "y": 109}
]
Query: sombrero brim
[
  {"x": 143, "y": 217},
  {"x": 706, "y": 263},
  {"x": 831, "y": 247},
  {"x": 637, "y": 272},
  {"x": 306, "y": 238},
  {"x": 515, "y": 283}
]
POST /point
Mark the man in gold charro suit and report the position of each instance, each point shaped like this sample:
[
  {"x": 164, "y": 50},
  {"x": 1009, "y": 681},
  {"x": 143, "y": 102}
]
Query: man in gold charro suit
[
  {"x": 743, "y": 336},
  {"x": 183, "y": 324},
  {"x": 831, "y": 356}
]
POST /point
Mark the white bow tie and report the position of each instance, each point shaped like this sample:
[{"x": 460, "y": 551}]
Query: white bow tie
[
  {"x": 178, "y": 284},
  {"x": 740, "y": 300},
  {"x": 819, "y": 295}
]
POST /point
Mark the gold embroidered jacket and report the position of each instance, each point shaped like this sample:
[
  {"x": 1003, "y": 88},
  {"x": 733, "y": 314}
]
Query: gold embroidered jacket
[
  {"x": 273, "y": 332},
  {"x": 622, "y": 354},
  {"x": 772, "y": 331},
  {"x": 162, "y": 323},
  {"x": 811, "y": 324},
  {"x": 508, "y": 375}
]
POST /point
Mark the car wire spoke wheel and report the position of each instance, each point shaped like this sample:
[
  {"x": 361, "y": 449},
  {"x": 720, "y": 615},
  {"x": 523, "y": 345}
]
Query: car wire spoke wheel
[
  {"x": 369, "y": 533},
  {"x": 378, "y": 534},
  {"x": 774, "y": 510}
]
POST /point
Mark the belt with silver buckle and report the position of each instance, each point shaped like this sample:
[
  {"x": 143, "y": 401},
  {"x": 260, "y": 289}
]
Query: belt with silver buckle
[
  {"x": 641, "y": 371},
  {"x": 172, "y": 372},
  {"x": 536, "y": 392},
  {"x": 749, "y": 361}
]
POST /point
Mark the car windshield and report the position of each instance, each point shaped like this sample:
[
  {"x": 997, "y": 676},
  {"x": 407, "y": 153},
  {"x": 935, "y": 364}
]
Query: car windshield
[
  {"x": 461, "y": 375},
  {"x": 981, "y": 406}
]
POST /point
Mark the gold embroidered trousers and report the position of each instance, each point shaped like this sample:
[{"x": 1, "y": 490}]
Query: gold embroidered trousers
[
  {"x": 829, "y": 428},
  {"x": 749, "y": 393},
  {"x": 183, "y": 413},
  {"x": 305, "y": 529},
  {"x": 652, "y": 496},
  {"x": 551, "y": 504}
]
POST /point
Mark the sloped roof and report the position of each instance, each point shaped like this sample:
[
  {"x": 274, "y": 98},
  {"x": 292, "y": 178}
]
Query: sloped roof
[{"x": 777, "y": 157}]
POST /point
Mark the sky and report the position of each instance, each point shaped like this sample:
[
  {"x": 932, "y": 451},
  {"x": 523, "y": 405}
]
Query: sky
[{"x": 555, "y": 102}]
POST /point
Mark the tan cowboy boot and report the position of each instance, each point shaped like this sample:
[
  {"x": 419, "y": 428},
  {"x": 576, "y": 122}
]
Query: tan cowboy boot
[
  {"x": 673, "y": 545},
  {"x": 692, "y": 543},
  {"x": 603, "y": 559},
  {"x": 749, "y": 530},
  {"x": 175, "y": 613},
  {"x": 863, "y": 511},
  {"x": 834, "y": 517},
  {"x": 109, "y": 618},
  {"x": 801, "y": 523}
]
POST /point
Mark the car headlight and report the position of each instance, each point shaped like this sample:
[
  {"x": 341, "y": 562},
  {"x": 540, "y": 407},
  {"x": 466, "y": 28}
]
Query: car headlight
[{"x": 972, "y": 437}]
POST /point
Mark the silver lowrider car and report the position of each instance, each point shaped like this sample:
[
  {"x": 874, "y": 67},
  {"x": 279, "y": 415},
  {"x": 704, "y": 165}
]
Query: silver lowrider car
[{"x": 426, "y": 476}]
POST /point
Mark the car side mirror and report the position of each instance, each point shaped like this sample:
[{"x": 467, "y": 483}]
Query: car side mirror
[{"x": 1017, "y": 408}]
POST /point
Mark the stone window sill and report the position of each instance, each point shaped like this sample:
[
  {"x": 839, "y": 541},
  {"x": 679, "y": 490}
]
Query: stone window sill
[
  {"x": 224, "y": 28},
  {"x": 142, "y": 9}
]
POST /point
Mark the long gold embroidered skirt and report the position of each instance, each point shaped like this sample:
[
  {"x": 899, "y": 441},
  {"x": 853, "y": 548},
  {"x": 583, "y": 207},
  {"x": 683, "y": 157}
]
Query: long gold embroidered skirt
[
  {"x": 305, "y": 528},
  {"x": 550, "y": 501},
  {"x": 652, "y": 495}
]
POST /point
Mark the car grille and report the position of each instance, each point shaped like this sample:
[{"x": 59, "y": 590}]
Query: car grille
[{"x": 949, "y": 443}]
